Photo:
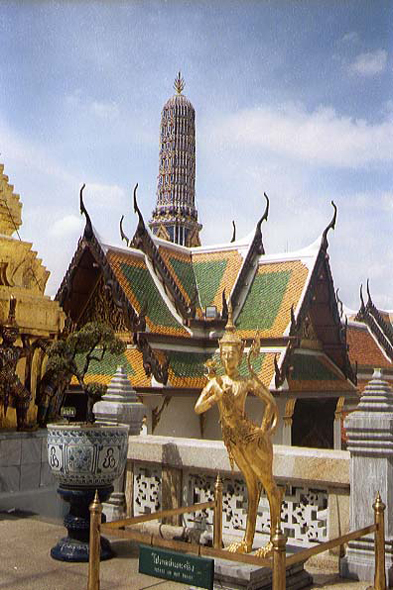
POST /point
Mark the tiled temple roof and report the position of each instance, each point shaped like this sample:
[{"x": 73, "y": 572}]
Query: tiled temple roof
[
  {"x": 215, "y": 272},
  {"x": 378, "y": 321},
  {"x": 312, "y": 372},
  {"x": 276, "y": 288},
  {"x": 309, "y": 372},
  {"x": 165, "y": 288},
  {"x": 364, "y": 349},
  {"x": 139, "y": 286},
  {"x": 103, "y": 371}
]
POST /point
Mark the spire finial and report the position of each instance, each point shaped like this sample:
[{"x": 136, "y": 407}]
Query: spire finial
[
  {"x": 230, "y": 336},
  {"x": 230, "y": 326},
  {"x": 179, "y": 84}
]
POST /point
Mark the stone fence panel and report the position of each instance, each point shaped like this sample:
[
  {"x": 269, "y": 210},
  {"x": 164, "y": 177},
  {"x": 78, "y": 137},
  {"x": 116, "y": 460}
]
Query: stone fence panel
[{"x": 169, "y": 472}]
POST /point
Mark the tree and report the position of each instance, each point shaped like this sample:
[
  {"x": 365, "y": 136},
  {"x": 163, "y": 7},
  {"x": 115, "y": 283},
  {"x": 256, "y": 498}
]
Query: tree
[{"x": 73, "y": 355}]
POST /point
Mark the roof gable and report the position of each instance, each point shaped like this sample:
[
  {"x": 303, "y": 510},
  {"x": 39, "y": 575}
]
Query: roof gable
[
  {"x": 137, "y": 283},
  {"x": 378, "y": 321}
]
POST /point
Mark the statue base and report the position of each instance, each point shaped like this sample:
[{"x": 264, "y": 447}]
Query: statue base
[
  {"x": 231, "y": 575},
  {"x": 75, "y": 547}
]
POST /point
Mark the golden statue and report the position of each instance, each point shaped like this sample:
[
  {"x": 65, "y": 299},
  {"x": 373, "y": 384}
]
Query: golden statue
[{"x": 248, "y": 445}]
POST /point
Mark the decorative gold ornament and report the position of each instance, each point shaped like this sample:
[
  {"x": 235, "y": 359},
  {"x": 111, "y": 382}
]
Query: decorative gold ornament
[
  {"x": 179, "y": 84},
  {"x": 248, "y": 444}
]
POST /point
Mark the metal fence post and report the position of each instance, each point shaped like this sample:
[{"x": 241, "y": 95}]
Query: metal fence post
[
  {"x": 379, "y": 516},
  {"x": 279, "y": 541},
  {"x": 217, "y": 527},
  {"x": 93, "y": 582}
]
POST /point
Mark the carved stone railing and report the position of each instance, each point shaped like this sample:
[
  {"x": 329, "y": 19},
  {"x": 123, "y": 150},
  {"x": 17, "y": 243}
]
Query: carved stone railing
[{"x": 170, "y": 472}]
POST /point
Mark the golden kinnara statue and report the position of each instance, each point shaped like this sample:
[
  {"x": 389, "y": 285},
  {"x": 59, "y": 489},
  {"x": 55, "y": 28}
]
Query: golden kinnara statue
[{"x": 248, "y": 444}]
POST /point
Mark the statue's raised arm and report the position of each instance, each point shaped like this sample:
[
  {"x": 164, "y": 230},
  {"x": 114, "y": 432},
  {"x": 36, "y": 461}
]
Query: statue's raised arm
[{"x": 209, "y": 396}]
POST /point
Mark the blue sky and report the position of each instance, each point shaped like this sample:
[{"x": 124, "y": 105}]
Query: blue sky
[{"x": 292, "y": 97}]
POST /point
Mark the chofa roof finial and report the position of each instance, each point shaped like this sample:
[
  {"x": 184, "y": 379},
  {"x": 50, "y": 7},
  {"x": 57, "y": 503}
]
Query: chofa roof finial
[
  {"x": 136, "y": 208},
  {"x": 122, "y": 234},
  {"x": 368, "y": 292},
  {"x": 331, "y": 225},
  {"x": 233, "y": 232},
  {"x": 266, "y": 212},
  {"x": 362, "y": 306},
  {"x": 88, "y": 233}
]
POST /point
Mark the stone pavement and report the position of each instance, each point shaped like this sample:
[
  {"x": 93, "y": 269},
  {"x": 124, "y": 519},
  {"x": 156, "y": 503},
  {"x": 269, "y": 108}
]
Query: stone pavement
[{"x": 25, "y": 563}]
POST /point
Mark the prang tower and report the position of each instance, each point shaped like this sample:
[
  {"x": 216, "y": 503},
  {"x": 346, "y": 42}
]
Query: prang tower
[{"x": 175, "y": 217}]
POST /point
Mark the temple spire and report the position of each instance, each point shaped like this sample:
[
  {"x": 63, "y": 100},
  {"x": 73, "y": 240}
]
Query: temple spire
[{"x": 175, "y": 217}]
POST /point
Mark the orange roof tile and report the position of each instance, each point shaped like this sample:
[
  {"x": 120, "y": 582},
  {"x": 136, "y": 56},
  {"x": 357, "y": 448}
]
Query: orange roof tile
[{"x": 364, "y": 350}]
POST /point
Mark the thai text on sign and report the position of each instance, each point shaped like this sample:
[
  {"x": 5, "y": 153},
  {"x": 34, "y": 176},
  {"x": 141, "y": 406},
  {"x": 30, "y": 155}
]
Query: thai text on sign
[{"x": 175, "y": 566}]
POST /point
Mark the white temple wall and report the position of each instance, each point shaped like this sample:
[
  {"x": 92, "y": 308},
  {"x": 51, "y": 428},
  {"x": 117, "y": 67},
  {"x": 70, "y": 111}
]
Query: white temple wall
[{"x": 179, "y": 417}]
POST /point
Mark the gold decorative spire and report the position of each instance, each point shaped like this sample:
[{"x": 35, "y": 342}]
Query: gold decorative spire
[
  {"x": 179, "y": 84},
  {"x": 230, "y": 336}
]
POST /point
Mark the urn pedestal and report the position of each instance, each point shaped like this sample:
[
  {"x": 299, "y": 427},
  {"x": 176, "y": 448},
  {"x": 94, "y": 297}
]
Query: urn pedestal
[
  {"x": 75, "y": 546},
  {"x": 84, "y": 458}
]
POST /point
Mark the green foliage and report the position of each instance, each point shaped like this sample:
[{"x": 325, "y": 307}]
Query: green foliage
[
  {"x": 89, "y": 343},
  {"x": 95, "y": 390}
]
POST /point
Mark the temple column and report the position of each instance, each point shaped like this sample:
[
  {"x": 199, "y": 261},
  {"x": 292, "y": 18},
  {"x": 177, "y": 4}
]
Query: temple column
[
  {"x": 287, "y": 422},
  {"x": 337, "y": 425}
]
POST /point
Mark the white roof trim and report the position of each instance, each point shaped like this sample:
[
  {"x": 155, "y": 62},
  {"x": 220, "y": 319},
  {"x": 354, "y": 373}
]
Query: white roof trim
[
  {"x": 164, "y": 296},
  {"x": 133, "y": 251}
]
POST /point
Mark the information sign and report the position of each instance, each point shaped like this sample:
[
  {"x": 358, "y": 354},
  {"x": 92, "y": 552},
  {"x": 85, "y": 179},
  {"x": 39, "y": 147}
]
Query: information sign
[
  {"x": 68, "y": 412},
  {"x": 175, "y": 566}
]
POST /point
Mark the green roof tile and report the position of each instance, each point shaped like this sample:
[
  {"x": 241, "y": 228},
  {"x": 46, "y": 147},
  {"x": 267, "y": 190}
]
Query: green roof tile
[
  {"x": 147, "y": 293},
  {"x": 208, "y": 277},
  {"x": 263, "y": 301},
  {"x": 108, "y": 365},
  {"x": 184, "y": 364},
  {"x": 310, "y": 368},
  {"x": 185, "y": 274}
]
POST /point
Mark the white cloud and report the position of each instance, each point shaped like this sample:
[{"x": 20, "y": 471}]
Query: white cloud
[
  {"x": 387, "y": 201},
  {"x": 370, "y": 63},
  {"x": 75, "y": 98},
  {"x": 105, "y": 110},
  {"x": 320, "y": 137},
  {"x": 30, "y": 154},
  {"x": 350, "y": 37},
  {"x": 70, "y": 225},
  {"x": 105, "y": 195}
]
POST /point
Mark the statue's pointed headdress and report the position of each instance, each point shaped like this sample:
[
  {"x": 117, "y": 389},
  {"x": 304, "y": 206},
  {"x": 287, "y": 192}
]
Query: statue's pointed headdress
[{"x": 230, "y": 336}]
